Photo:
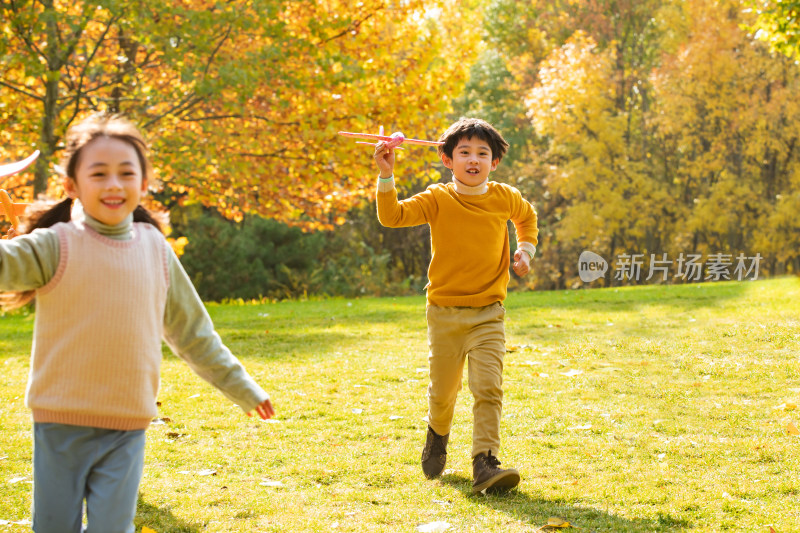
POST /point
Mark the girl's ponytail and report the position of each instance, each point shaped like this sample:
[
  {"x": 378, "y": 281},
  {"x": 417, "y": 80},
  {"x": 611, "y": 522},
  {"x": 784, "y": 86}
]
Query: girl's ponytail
[
  {"x": 46, "y": 213},
  {"x": 141, "y": 214}
]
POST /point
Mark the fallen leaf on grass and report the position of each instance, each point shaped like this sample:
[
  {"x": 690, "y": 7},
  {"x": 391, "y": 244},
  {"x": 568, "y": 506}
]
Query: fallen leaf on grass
[
  {"x": 572, "y": 373},
  {"x": 146, "y": 529},
  {"x": 511, "y": 347},
  {"x": 586, "y": 426},
  {"x": 788, "y": 406},
  {"x": 433, "y": 527},
  {"x": 199, "y": 473},
  {"x": 555, "y": 522},
  {"x": 791, "y": 429}
]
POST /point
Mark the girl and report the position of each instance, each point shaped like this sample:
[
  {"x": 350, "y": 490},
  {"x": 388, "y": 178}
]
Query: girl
[{"x": 108, "y": 288}]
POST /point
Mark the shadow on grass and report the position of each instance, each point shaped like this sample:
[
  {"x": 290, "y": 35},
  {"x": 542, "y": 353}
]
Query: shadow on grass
[
  {"x": 537, "y": 511},
  {"x": 295, "y": 330},
  {"x": 161, "y": 520}
]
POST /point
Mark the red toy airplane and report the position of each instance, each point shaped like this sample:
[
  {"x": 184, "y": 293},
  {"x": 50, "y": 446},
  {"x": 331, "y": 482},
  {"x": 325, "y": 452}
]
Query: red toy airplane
[
  {"x": 10, "y": 209},
  {"x": 392, "y": 141}
]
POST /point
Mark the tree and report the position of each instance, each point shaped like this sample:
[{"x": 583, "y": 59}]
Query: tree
[
  {"x": 241, "y": 99},
  {"x": 662, "y": 127},
  {"x": 588, "y": 100},
  {"x": 610, "y": 204},
  {"x": 778, "y": 23},
  {"x": 727, "y": 116}
]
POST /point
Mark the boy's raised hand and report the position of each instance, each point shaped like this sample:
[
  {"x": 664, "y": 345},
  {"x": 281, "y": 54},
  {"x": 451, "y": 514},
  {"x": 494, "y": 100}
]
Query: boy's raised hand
[
  {"x": 522, "y": 263},
  {"x": 384, "y": 158}
]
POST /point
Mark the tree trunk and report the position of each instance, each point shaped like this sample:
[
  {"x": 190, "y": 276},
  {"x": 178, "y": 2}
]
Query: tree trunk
[{"x": 47, "y": 136}]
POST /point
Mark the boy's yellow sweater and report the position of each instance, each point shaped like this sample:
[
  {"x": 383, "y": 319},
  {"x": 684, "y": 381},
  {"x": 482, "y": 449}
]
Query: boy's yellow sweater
[{"x": 470, "y": 253}]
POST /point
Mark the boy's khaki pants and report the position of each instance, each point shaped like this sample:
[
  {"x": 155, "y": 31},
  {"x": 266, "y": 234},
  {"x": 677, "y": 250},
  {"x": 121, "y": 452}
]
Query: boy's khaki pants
[{"x": 454, "y": 334}]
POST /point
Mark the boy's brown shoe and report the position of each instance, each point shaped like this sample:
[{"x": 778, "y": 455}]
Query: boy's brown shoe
[
  {"x": 434, "y": 454},
  {"x": 487, "y": 474}
]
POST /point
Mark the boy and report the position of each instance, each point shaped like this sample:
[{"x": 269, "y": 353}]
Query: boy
[{"x": 468, "y": 278}]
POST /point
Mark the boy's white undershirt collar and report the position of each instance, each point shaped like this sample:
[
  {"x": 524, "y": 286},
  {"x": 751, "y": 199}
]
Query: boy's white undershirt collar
[{"x": 463, "y": 188}]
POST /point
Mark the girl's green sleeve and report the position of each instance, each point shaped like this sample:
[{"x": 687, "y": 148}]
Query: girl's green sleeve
[
  {"x": 190, "y": 334},
  {"x": 28, "y": 261}
]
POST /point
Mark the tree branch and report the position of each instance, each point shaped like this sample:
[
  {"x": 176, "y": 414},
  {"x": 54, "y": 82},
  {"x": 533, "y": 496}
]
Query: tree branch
[
  {"x": 352, "y": 27},
  {"x": 191, "y": 100},
  {"x": 20, "y": 32},
  {"x": 238, "y": 116},
  {"x": 21, "y": 91},
  {"x": 182, "y": 106},
  {"x": 216, "y": 50},
  {"x": 82, "y": 77}
]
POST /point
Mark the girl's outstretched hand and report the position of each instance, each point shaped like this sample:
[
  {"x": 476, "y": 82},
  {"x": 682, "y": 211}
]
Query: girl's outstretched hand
[
  {"x": 264, "y": 410},
  {"x": 11, "y": 233}
]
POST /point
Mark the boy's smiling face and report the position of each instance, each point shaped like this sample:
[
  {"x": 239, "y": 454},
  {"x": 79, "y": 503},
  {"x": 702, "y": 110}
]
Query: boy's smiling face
[{"x": 471, "y": 162}]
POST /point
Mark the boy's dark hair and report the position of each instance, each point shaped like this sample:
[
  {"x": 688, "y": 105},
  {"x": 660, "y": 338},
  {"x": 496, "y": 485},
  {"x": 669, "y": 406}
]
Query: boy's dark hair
[{"x": 469, "y": 128}]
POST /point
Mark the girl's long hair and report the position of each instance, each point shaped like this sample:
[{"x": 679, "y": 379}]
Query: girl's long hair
[{"x": 45, "y": 213}]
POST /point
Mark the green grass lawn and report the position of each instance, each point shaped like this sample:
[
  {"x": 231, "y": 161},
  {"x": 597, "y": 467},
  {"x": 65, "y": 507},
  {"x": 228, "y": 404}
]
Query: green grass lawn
[{"x": 635, "y": 409}]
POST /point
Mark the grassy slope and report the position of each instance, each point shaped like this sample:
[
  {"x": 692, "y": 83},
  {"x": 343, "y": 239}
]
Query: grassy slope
[{"x": 637, "y": 409}]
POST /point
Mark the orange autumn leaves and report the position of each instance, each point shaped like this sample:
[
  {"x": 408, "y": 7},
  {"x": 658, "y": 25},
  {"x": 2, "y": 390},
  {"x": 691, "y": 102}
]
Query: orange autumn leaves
[{"x": 243, "y": 119}]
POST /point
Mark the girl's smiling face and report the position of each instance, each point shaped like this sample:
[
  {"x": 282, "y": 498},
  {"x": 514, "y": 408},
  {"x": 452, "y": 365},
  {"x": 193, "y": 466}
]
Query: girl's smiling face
[
  {"x": 109, "y": 180},
  {"x": 472, "y": 161}
]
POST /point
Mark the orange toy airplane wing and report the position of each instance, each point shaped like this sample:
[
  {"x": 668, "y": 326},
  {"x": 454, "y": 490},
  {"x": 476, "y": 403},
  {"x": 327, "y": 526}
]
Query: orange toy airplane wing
[{"x": 11, "y": 209}]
